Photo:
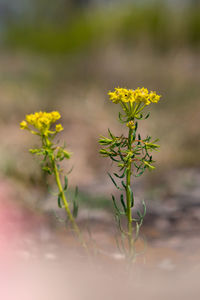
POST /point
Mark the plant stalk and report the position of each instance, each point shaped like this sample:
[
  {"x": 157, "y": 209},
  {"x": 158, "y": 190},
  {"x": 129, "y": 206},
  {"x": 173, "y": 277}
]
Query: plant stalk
[
  {"x": 66, "y": 205},
  {"x": 128, "y": 196}
]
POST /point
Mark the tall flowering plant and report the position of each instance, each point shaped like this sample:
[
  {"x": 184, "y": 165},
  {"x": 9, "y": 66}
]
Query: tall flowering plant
[
  {"x": 43, "y": 125},
  {"x": 132, "y": 153}
]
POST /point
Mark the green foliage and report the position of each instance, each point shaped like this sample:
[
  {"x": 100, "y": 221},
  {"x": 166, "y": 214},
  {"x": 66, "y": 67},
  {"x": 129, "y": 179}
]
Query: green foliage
[
  {"x": 117, "y": 149},
  {"x": 40, "y": 124},
  {"x": 156, "y": 23},
  {"x": 132, "y": 153}
]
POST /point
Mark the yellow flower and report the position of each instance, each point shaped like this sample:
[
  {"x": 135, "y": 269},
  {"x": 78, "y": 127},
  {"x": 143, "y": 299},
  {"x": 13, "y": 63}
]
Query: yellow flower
[
  {"x": 23, "y": 125},
  {"x": 59, "y": 128},
  {"x": 139, "y": 95},
  {"x": 130, "y": 125},
  {"x": 154, "y": 97},
  {"x": 121, "y": 95},
  {"x": 142, "y": 95},
  {"x": 55, "y": 115},
  {"x": 42, "y": 121}
]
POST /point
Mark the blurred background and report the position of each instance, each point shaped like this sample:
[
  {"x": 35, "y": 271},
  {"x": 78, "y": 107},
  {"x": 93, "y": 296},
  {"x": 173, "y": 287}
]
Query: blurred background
[{"x": 66, "y": 55}]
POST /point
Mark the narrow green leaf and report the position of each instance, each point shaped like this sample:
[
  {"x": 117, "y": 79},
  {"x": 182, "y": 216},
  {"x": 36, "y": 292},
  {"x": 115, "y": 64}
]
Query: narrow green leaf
[
  {"x": 122, "y": 202},
  {"x": 118, "y": 212},
  {"x": 120, "y": 176},
  {"x": 132, "y": 199},
  {"x": 139, "y": 214},
  {"x": 145, "y": 208},
  {"x": 115, "y": 205},
  {"x": 75, "y": 209},
  {"x": 116, "y": 160},
  {"x": 123, "y": 184},
  {"x": 119, "y": 224},
  {"x": 70, "y": 170},
  {"x": 66, "y": 183},
  {"x": 120, "y": 154},
  {"x": 139, "y": 174},
  {"x": 76, "y": 192},
  {"x": 136, "y": 126},
  {"x": 110, "y": 133},
  {"x": 114, "y": 182},
  {"x": 121, "y": 118},
  {"x": 59, "y": 201},
  {"x": 146, "y": 117}
]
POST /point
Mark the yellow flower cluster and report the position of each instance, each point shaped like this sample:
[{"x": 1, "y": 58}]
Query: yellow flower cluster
[
  {"x": 42, "y": 122},
  {"x": 130, "y": 125},
  {"x": 139, "y": 95}
]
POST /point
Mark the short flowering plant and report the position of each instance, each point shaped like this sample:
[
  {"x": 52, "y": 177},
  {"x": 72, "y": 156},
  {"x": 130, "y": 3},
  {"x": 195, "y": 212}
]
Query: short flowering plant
[
  {"x": 132, "y": 155},
  {"x": 43, "y": 125}
]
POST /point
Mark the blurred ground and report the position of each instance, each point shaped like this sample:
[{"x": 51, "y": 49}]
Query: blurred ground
[{"x": 35, "y": 255}]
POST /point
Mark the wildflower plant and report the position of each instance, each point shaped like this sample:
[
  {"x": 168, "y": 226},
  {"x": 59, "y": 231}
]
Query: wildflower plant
[
  {"x": 43, "y": 125},
  {"x": 132, "y": 155}
]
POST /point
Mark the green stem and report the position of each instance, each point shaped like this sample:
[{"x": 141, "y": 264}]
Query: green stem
[
  {"x": 64, "y": 200},
  {"x": 128, "y": 197},
  {"x": 66, "y": 205},
  {"x": 141, "y": 108}
]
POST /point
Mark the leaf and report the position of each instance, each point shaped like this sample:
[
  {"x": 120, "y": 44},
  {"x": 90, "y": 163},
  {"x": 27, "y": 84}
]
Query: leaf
[
  {"x": 47, "y": 169},
  {"x": 131, "y": 194},
  {"x": 75, "y": 209},
  {"x": 139, "y": 174},
  {"x": 145, "y": 208},
  {"x": 121, "y": 118},
  {"x": 58, "y": 218},
  {"x": 120, "y": 176},
  {"x": 146, "y": 117},
  {"x": 123, "y": 184},
  {"x": 136, "y": 166},
  {"x": 114, "y": 182},
  {"x": 110, "y": 133},
  {"x": 105, "y": 141},
  {"x": 66, "y": 154},
  {"x": 118, "y": 245},
  {"x": 132, "y": 199},
  {"x": 139, "y": 214},
  {"x": 59, "y": 201},
  {"x": 118, "y": 211},
  {"x": 116, "y": 160},
  {"x": 70, "y": 170},
  {"x": 139, "y": 116},
  {"x": 134, "y": 135},
  {"x": 66, "y": 183},
  {"x": 120, "y": 154},
  {"x": 76, "y": 192},
  {"x": 119, "y": 224},
  {"x": 115, "y": 205},
  {"x": 51, "y": 192},
  {"x": 123, "y": 203}
]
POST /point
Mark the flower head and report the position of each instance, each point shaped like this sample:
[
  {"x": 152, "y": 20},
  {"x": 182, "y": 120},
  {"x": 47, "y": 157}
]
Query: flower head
[
  {"x": 121, "y": 95},
  {"x": 133, "y": 101},
  {"x": 59, "y": 128},
  {"x": 42, "y": 121},
  {"x": 142, "y": 96},
  {"x": 130, "y": 124},
  {"x": 23, "y": 125},
  {"x": 139, "y": 95}
]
